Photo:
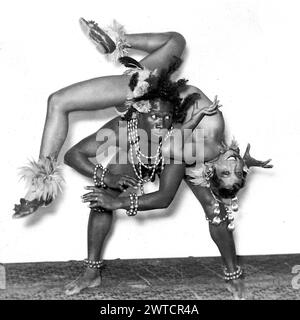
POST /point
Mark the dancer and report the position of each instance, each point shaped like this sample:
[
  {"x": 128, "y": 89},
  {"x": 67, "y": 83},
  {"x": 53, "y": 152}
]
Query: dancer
[
  {"x": 43, "y": 178},
  {"x": 152, "y": 110},
  {"x": 205, "y": 180}
]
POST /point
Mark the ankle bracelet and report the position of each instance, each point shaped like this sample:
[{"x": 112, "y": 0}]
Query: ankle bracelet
[
  {"x": 233, "y": 275},
  {"x": 93, "y": 264}
]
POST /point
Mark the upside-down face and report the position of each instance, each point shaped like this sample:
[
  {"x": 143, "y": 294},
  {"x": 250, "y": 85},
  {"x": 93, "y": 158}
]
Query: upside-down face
[{"x": 229, "y": 176}]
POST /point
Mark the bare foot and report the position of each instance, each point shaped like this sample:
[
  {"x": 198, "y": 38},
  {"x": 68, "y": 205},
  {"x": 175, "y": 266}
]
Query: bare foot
[
  {"x": 237, "y": 288},
  {"x": 90, "y": 279}
]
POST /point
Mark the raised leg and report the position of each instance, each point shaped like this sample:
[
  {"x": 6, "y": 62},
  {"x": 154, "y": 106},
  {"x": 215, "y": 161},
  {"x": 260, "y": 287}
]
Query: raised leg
[{"x": 104, "y": 92}]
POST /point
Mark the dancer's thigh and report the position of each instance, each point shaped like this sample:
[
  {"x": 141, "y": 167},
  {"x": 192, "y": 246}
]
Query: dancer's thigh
[{"x": 94, "y": 94}]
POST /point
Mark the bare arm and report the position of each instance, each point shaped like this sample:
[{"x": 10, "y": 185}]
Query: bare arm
[
  {"x": 78, "y": 157},
  {"x": 173, "y": 147},
  {"x": 170, "y": 180}
]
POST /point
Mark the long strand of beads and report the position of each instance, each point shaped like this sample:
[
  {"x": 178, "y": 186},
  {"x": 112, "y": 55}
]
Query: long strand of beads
[
  {"x": 132, "y": 126},
  {"x": 229, "y": 212},
  {"x": 133, "y": 139}
]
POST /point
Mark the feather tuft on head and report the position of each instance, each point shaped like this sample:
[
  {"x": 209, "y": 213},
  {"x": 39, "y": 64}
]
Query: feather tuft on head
[{"x": 129, "y": 62}]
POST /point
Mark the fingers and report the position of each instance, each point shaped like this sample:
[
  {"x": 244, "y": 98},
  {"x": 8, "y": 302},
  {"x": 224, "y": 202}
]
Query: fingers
[
  {"x": 248, "y": 148},
  {"x": 131, "y": 180},
  {"x": 270, "y": 166},
  {"x": 93, "y": 196},
  {"x": 92, "y": 188},
  {"x": 127, "y": 183},
  {"x": 264, "y": 164},
  {"x": 94, "y": 205}
]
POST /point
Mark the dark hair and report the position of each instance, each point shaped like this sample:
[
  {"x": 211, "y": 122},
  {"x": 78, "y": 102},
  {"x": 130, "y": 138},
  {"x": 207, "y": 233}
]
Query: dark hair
[
  {"x": 227, "y": 192},
  {"x": 163, "y": 88}
]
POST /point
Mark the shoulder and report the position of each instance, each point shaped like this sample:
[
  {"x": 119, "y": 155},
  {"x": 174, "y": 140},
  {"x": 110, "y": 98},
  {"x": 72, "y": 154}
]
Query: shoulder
[{"x": 189, "y": 90}]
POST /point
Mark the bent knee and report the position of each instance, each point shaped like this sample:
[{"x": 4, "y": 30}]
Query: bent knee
[
  {"x": 57, "y": 102},
  {"x": 178, "y": 38}
]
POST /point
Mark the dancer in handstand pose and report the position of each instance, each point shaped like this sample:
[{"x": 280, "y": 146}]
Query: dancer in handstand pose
[{"x": 214, "y": 188}]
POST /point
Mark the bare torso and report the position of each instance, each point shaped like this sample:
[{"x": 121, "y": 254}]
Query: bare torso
[{"x": 212, "y": 126}]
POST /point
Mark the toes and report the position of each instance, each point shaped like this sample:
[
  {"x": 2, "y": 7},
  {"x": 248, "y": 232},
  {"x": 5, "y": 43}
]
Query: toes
[
  {"x": 69, "y": 285},
  {"x": 72, "y": 291}
]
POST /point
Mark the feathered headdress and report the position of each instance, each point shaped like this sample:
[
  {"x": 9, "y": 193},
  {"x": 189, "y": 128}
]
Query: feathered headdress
[{"x": 147, "y": 85}]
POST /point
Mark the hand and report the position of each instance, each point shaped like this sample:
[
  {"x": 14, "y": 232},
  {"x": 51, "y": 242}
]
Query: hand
[
  {"x": 120, "y": 182},
  {"x": 208, "y": 111},
  {"x": 100, "y": 198},
  {"x": 251, "y": 162}
]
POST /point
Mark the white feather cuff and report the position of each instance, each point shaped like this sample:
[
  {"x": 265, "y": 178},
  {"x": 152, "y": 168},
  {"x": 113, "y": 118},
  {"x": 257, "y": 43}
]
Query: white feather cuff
[
  {"x": 117, "y": 32},
  {"x": 43, "y": 178}
]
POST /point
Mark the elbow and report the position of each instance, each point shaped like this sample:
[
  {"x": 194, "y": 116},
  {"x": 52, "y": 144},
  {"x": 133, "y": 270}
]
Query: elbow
[
  {"x": 69, "y": 157},
  {"x": 165, "y": 203}
]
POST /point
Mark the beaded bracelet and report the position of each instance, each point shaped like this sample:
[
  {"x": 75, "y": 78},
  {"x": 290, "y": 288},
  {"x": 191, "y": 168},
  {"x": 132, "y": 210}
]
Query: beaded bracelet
[
  {"x": 99, "y": 183},
  {"x": 233, "y": 275},
  {"x": 93, "y": 264},
  {"x": 133, "y": 205}
]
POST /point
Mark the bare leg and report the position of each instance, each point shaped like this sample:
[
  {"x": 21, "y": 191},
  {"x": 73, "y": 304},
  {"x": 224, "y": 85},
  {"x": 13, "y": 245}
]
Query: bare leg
[
  {"x": 222, "y": 237},
  {"x": 98, "y": 227},
  {"x": 104, "y": 92}
]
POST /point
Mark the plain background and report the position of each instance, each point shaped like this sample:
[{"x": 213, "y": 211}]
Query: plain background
[{"x": 246, "y": 51}]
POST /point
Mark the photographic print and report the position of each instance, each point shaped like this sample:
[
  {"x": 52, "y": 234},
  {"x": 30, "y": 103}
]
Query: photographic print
[{"x": 149, "y": 152}]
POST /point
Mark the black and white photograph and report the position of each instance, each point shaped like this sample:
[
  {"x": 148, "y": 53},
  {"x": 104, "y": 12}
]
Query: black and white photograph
[{"x": 149, "y": 152}]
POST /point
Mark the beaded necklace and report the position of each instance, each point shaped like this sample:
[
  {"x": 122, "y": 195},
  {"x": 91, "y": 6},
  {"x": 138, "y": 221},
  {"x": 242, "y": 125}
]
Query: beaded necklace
[
  {"x": 135, "y": 149},
  {"x": 229, "y": 208}
]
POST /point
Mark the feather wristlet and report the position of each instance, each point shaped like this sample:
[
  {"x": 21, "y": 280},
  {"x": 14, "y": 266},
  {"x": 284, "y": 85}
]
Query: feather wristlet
[
  {"x": 43, "y": 179},
  {"x": 117, "y": 32},
  {"x": 43, "y": 182}
]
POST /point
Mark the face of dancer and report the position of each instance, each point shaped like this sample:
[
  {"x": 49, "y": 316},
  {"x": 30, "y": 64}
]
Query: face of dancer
[
  {"x": 229, "y": 176},
  {"x": 158, "y": 120}
]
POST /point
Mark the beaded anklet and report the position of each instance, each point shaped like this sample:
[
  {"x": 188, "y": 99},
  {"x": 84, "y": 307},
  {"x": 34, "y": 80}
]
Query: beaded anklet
[
  {"x": 93, "y": 264},
  {"x": 233, "y": 275}
]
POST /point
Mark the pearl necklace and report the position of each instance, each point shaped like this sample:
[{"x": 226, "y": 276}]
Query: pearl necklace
[
  {"x": 232, "y": 207},
  {"x": 133, "y": 136}
]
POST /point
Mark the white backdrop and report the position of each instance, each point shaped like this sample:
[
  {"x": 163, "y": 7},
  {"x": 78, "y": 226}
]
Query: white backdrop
[{"x": 246, "y": 51}]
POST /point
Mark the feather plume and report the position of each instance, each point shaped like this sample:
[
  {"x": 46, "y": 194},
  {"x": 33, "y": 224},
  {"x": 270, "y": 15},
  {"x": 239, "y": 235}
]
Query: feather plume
[
  {"x": 129, "y": 62},
  {"x": 234, "y": 145},
  {"x": 197, "y": 175},
  {"x": 43, "y": 178},
  {"x": 117, "y": 32}
]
